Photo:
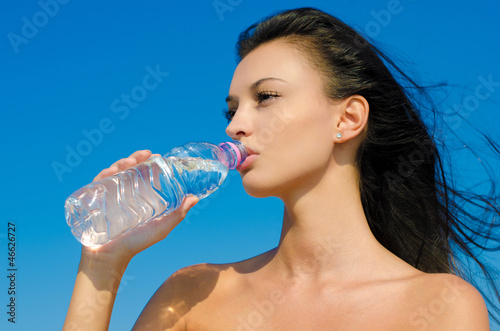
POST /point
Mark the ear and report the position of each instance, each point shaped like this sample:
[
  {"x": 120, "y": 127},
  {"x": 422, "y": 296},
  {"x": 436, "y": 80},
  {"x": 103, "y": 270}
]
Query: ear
[{"x": 352, "y": 118}]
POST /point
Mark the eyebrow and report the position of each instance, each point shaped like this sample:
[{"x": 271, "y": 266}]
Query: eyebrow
[{"x": 256, "y": 84}]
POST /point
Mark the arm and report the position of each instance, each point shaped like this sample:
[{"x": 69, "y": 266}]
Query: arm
[
  {"x": 94, "y": 294},
  {"x": 102, "y": 268}
]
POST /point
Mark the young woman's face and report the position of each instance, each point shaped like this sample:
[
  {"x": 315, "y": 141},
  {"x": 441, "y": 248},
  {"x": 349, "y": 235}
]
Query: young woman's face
[{"x": 281, "y": 113}]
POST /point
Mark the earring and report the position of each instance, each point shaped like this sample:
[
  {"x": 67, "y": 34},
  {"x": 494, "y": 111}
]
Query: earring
[{"x": 339, "y": 135}]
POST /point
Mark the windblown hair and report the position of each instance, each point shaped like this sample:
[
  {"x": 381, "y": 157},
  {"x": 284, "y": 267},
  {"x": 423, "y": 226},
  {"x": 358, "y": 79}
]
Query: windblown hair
[{"x": 411, "y": 208}]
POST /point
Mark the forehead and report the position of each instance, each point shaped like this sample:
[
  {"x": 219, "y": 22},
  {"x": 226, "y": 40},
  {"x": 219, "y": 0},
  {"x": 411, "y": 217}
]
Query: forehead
[{"x": 273, "y": 59}]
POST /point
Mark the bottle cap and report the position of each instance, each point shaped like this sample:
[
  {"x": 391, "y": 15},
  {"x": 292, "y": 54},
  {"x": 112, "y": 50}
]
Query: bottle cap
[{"x": 235, "y": 147}]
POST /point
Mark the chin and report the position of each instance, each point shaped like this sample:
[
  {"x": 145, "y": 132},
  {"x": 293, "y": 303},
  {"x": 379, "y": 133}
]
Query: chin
[
  {"x": 256, "y": 192},
  {"x": 258, "y": 188}
]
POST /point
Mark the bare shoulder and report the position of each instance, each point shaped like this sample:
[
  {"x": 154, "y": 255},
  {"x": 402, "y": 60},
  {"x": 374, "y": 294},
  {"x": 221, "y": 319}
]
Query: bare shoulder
[
  {"x": 193, "y": 294},
  {"x": 187, "y": 287},
  {"x": 447, "y": 302}
]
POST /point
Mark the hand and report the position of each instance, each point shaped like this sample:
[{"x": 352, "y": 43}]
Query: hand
[
  {"x": 120, "y": 165},
  {"x": 120, "y": 250}
]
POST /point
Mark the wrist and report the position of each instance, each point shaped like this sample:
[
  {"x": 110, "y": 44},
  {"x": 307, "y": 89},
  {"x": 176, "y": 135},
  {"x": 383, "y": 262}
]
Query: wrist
[
  {"x": 93, "y": 259},
  {"x": 103, "y": 272}
]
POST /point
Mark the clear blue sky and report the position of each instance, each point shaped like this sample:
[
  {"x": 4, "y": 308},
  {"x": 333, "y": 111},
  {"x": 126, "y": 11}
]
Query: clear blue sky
[{"x": 64, "y": 69}]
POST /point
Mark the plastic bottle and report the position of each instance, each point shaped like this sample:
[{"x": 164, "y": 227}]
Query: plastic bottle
[{"x": 101, "y": 211}]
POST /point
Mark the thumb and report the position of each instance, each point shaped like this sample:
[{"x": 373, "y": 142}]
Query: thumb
[
  {"x": 189, "y": 203},
  {"x": 164, "y": 224},
  {"x": 181, "y": 211}
]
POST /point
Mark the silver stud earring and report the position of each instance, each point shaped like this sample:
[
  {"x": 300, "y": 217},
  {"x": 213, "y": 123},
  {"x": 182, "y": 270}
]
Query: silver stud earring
[{"x": 339, "y": 135}]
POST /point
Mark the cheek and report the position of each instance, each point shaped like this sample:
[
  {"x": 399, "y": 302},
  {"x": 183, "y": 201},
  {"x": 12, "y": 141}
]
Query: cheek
[
  {"x": 295, "y": 125},
  {"x": 302, "y": 146},
  {"x": 309, "y": 136},
  {"x": 293, "y": 149},
  {"x": 311, "y": 143}
]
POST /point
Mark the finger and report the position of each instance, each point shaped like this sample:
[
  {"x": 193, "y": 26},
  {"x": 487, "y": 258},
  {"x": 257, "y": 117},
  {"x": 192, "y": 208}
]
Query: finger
[
  {"x": 105, "y": 173},
  {"x": 175, "y": 217},
  {"x": 141, "y": 155},
  {"x": 134, "y": 159},
  {"x": 187, "y": 204},
  {"x": 125, "y": 163}
]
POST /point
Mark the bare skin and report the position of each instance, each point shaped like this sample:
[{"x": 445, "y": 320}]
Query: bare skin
[
  {"x": 328, "y": 271},
  {"x": 230, "y": 297}
]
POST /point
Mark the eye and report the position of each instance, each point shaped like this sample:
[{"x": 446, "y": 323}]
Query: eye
[
  {"x": 228, "y": 114},
  {"x": 263, "y": 96}
]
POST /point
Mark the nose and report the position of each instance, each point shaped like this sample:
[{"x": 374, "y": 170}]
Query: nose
[{"x": 240, "y": 125}]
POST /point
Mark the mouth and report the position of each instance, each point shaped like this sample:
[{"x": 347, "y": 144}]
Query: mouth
[{"x": 252, "y": 155}]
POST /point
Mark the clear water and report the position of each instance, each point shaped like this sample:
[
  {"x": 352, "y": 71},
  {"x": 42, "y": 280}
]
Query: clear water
[{"x": 103, "y": 210}]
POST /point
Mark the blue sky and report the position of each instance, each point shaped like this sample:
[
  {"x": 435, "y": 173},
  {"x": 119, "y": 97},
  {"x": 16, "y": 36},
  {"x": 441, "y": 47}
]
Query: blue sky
[{"x": 66, "y": 70}]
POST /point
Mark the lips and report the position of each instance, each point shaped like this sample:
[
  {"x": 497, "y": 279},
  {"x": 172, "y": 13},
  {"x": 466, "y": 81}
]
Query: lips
[{"x": 249, "y": 160}]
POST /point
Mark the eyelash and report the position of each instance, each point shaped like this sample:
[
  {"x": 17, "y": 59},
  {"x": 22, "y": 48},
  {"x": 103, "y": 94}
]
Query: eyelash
[{"x": 260, "y": 96}]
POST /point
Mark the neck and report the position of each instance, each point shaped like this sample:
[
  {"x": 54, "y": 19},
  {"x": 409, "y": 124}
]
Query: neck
[{"x": 325, "y": 232}]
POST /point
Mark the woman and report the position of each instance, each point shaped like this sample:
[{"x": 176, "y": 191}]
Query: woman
[{"x": 364, "y": 245}]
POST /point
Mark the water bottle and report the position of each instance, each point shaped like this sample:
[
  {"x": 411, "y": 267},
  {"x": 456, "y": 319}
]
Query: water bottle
[{"x": 103, "y": 210}]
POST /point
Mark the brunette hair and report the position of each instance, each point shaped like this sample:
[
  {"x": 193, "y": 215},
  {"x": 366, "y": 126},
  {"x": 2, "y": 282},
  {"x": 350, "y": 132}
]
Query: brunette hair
[{"x": 411, "y": 207}]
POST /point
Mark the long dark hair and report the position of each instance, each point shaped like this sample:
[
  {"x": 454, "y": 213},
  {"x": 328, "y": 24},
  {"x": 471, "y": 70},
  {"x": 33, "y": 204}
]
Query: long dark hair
[{"x": 410, "y": 204}]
